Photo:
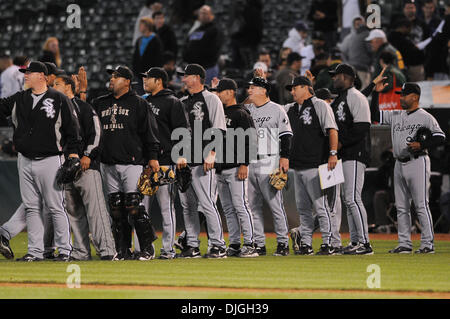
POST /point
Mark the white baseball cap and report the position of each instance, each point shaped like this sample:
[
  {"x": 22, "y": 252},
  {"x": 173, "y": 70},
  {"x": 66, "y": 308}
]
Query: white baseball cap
[
  {"x": 260, "y": 65},
  {"x": 376, "y": 33}
]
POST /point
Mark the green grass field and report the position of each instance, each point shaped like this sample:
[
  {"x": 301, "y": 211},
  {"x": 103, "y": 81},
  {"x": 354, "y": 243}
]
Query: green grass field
[{"x": 401, "y": 276}]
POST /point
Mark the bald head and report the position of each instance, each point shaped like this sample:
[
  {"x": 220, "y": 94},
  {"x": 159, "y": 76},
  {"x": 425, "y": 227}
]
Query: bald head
[{"x": 205, "y": 14}]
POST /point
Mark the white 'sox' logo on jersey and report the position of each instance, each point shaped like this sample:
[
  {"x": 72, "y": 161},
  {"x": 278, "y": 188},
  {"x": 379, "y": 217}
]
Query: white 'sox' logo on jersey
[
  {"x": 197, "y": 111},
  {"x": 340, "y": 112},
  {"x": 306, "y": 116},
  {"x": 49, "y": 108}
]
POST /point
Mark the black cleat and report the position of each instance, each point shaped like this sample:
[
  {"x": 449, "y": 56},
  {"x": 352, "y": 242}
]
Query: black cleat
[
  {"x": 5, "y": 250},
  {"x": 166, "y": 256},
  {"x": 233, "y": 250},
  {"x": 248, "y": 251},
  {"x": 425, "y": 250},
  {"x": 401, "y": 250},
  {"x": 108, "y": 257},
  {"x": 63, "y": 258},
  {"x": 350, "y": 248},
  {"x": 190, "y": 252},
  {"x": 326, "y": 250},
  {"x": 216, "y": 252},
  {"x": 261, "y": 250},
  {"x": 181, "y": 242},
  {"x": 363, "y": 249},
  {"x": 49, "y": 255},
  {"x": 338, "y": 250},
  {"x": 305, "y": 250},
  {"x": 282, "y": 250},
  {"x": 29, "y": 258}
]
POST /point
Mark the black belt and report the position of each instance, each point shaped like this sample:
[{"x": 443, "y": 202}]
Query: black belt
[
  {"x": 410, "y": 158},
  {"x": 259, "y": 157}
]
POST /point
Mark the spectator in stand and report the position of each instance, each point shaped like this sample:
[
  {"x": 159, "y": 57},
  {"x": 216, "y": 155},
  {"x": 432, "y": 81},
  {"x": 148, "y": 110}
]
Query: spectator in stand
[
  {"x": 387, "y": 98},
  {"x": 286, "y": 76},
  {"x": 379, "y": 43},
  {"x": 282, "y": 58},
  {"x": 246, "y": 32},
  {"x": 419, "y": 30},
  {"x": 169, "y": 65},
  {"x": 297, "y": 37},
  {"x": 414, "y": 57},
  {"x": 324, "y": 15},
  {"x": 347, "y": 11},
  {"x": 203, "y": 45},
  {"x": 165, "y": 33},
  {"x": 11, "y": 80},
  {"x": 324, "y": 79},
  {"x": 50, "y": 52},
  {"x": 146, "y": 11},
  {"x": 148, "y": 51},
  {"x": 310, "y": 51},
  {"x": 321, "y": 61},
  {"x": 430, "y": 15},
  {"x": 356, "y": 51}
]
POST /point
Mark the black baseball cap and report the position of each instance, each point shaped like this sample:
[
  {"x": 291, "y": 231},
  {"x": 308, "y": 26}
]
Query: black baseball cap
[
  {"x": 35, "y": 66},
  {"x": 226, "y": 84},
  {"x": 299, "y": 80},
  {"x": 343, "y": 69},
  {"x": 53, "y": 69},
  {"x": 157, "y": 73},
  {"x": 123, "y": 71},
  {"x": 325, "y": 94},
  {"x": 193, "y": 69},
  {"x": 409, "y": 88},
  {"x": 261, "y": 82}
]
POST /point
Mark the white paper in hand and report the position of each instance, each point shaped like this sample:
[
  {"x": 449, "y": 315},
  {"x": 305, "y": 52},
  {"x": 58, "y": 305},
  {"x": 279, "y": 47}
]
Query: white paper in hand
[{"x": 331, "y": 178}]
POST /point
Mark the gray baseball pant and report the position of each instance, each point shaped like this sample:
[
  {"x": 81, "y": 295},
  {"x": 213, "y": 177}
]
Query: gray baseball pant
[
  {"x": 311, "y": 198},
  {"x": 37, "y": 179},
  {"x": 259, "y": 189},
  {"x": 85, "y": 203},
  {"x": 356, "y": 212},
  {"x": 412, "y": 181},
  {"x": 334, "y": 200},
  {"x": 233, "y": 194},
  {"x": 202, "y": 195}
]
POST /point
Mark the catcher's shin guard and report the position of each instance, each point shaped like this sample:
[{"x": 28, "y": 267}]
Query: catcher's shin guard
[
  {"x": 144, "y": 229},
  {"x": 116, "y": 208}
]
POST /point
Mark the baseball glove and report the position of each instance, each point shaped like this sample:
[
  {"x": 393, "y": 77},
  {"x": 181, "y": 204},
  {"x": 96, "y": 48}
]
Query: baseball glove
[
  {"x": 69, "y": 172},
  {"x": 278, "y": 179},
  {"x": 184, "y": 178},
  {"x": 148, "y": 183},
  {"x": 423, "y": 135}
]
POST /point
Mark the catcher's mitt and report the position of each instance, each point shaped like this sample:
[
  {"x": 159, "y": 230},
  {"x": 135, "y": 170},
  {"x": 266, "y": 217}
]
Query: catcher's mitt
[
  {"x": 148, "y": 183},
  {"x": 69, "y": 172},
  {"x": 278, "y": 179},
  {"x": 184, "y": 178}
]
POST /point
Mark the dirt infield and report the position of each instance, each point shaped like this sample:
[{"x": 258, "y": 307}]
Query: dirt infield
[{"x": 398, "y": 294}]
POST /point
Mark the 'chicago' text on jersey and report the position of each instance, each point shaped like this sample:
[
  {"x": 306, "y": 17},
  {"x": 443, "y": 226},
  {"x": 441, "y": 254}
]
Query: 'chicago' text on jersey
[{"x": 261, "y": 120}]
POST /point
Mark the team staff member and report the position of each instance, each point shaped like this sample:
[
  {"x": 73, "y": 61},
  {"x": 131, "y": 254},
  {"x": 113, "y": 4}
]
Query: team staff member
[
  {"x": 352, "y": 115},
  {"x": 412, "y": 167},
  {"x": 85, "y": 202},
  {"x": 129, "y": 142},
  {"x": 314, "y": 143},
  {"x": 44, "y": 123},
  {"x": 169, "y": 114},
  {"x": 232, "y": 176},
  {"x": 205, "y": 112},
  {"x": 274, "y": 143}
]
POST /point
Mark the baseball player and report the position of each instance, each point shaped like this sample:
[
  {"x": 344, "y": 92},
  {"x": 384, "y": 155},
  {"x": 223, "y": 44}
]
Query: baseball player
[
  {"x": 232, "y": 174},
  {"x": 85, "y": 202},
  {"x": 206, "y": 114},
  {"x": 412, "y": 166},
  {"x": 352, "y": 115},
  {"x": 274, "y": 143},
  {"x": 314, "y": 143},
  {"x": 169, "y": 114},
  {"x": 129, "y": 142},
  {"x": 43, "y": 118}
]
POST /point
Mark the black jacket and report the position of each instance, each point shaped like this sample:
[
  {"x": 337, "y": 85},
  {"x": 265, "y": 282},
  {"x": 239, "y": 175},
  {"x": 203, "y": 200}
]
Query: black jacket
[
  {"x": 412, "y": 55},
  {"x": 130, "y": 132},
  {"x": 237, "y": 116},
  {"x": 90, "y": 132},
  {"x": 168, "y": 39},
  {"x": 203, "y": 46},
  {"x": 153, "y": 55},
  {"x": 48, "y": 129},
  {"x": 170, "y": 114}
]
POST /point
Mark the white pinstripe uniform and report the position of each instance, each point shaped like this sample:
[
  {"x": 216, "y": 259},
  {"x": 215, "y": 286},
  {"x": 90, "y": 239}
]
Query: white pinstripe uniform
[{"x": 411, "y": 178}]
